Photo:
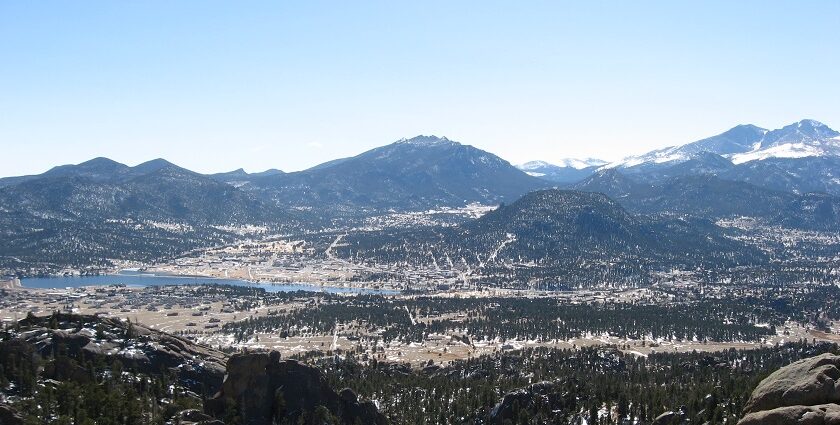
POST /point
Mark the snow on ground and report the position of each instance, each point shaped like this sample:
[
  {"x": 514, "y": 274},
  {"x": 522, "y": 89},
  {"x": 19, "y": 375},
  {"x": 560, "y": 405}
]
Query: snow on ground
[{"x": 787, "y": 150}]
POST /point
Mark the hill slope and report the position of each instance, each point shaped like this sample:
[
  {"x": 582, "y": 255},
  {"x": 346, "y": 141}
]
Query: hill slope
[
  {"x": 714, "y": 198},
  {"x": 556, "y": 237}
]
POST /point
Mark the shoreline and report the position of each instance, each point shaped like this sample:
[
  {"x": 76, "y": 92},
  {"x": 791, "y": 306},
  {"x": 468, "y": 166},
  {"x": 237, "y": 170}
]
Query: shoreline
[
  {"x": 135, "y": 274},
  {"x": 335, "y": 284}
]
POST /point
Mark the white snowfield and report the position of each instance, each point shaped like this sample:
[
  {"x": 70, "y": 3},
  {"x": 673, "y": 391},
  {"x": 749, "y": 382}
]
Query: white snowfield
[
  {"x": 661, "y": 156},
  {"x": 533, "y": 167},
  {"x": 790, "y": 150}
]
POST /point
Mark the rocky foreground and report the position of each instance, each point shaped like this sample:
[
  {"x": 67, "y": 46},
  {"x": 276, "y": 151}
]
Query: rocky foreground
[
  {"x": 111, "y": 364},
  {"x": 805, "y": 392},
  {"x": 58, "y": 354}
]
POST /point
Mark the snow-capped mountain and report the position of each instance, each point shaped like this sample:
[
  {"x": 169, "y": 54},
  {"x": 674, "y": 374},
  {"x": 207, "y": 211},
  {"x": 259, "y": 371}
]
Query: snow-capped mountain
[
  {"x": 807, "y": 138},
  {"x": 739, "y": 139},
  {"x": 580, "y": 163},
  {"x": 744, "y": 143},
  {"x": 564, "y": 171},
  {"x": 800, "y": 157},
  {"x": 426, "y": 141}
]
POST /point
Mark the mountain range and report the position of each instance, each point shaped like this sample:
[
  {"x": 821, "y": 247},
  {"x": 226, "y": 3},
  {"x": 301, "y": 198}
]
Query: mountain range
[
  {"x": 91, "y": 213},
  {"x": 565, "y": 171},
  {"x": 801, "y": 157},
  {"x": 714, "y": 198},
  {"x": 102, "y": 209},
  {"x": 104, "y": 189},
  {"x": 410, "y": 174}
]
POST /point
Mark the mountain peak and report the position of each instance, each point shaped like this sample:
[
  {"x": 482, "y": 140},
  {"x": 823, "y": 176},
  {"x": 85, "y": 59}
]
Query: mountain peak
[
  {"x": 269, "y": 172},
  {"x": 804, "y": 131},
  {"x": 422, "y": 140},
  {"x": 96, "y": 168},
  {"x": 575, "y": 163},
  {"x": 239, "y": 172},
  {"x": 101, "y": 161},
  {"x": 810, "y": 123},
  {"x": 152, "y": 166},
  {"x": 581, "y": 163},
  {"x": 744, "y": 130},
  {"x": 533, "y": 165}
]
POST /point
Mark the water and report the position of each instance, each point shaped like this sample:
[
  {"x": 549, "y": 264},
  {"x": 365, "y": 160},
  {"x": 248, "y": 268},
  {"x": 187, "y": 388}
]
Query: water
[{"x": 139, "y": 280}]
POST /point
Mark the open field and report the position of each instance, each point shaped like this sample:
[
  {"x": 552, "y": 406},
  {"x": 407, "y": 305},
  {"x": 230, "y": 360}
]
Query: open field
[{"x": 218, "y": 316}]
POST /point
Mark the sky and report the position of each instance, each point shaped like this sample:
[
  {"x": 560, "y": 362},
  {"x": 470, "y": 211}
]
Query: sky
[{"x": 214, "y": 86}]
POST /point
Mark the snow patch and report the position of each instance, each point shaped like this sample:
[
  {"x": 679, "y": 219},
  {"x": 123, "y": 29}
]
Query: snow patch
[{"x": 787, "y": 150}]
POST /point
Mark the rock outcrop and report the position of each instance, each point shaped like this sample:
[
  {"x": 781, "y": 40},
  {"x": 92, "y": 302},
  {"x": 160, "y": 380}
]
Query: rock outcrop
[
  {"x": 525, "y": 398},
  {"x": 82, "y": 337},
  {"x": 805, "y": 392},
  {"x": 540, "y": 401},
  {"x": 261, "y": 389}
]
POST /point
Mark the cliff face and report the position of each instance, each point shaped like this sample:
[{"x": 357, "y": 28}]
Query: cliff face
[
  {"x": 805, "y": 392},
  {"x": 260, "y": 389}
]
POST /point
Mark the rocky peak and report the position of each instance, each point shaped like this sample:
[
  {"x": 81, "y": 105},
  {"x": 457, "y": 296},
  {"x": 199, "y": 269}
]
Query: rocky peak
[
  {"x": 426, "y": 141},
  {"x": 804, "y": 131}
]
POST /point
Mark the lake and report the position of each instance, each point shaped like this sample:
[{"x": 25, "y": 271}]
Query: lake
[{"x": 138, "y": 279}]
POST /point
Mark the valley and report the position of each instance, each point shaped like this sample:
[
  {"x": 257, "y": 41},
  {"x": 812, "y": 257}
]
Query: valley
[
  {"x": 419, "y": 213},
  {"x": 446, "y": 326},
  {"x": 401, "y": 268}
]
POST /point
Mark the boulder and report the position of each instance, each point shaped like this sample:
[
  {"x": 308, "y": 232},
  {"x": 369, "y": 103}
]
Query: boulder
[
  {"x": 521, "y": 399},
  {"x": 261, "y": 389},
  {"x": 804, "y": 392},
  {"x": 827, "y": 414}
]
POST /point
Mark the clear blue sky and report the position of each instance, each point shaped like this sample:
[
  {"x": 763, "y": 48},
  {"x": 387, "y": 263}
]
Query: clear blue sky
[{"x": 214, "y": 86}]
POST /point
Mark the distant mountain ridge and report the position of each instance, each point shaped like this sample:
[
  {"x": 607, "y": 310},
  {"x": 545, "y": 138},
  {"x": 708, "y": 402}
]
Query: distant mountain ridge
[
  {"x": 564, "y": 171},
  {"x": 87, "y": 215},
  {"x": 800, "y": 157},
  {"x": 739, "y": 139},
  {"x": 714, "y": 198},
  {"x": 81, "y": 214},
  {"x": 90, "y": 214},
  {"x": 153, "y": 190},
  {"x": 744, "y": 143},
  {"x": 409, "y": 174},
  {"x": 417, "y": 173}
]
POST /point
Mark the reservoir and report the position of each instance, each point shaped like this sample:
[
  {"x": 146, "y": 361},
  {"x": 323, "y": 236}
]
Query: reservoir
[{"x": 140, "y": 279}]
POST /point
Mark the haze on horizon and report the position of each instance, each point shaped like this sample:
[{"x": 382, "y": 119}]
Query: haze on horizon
[{"x": 213, "y": 87}]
